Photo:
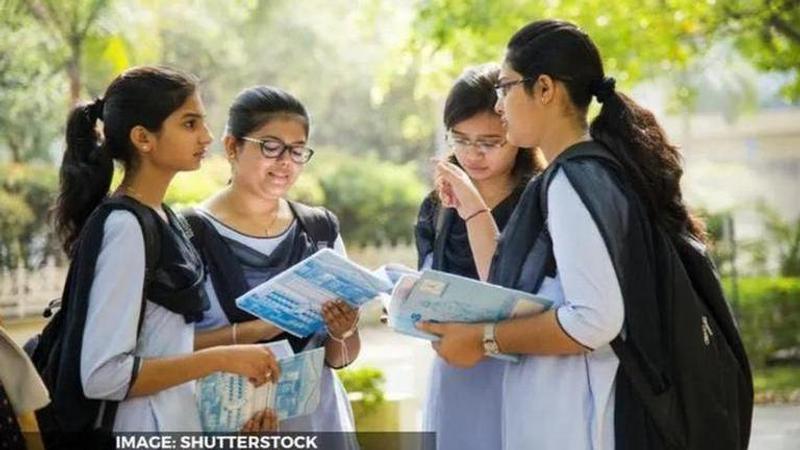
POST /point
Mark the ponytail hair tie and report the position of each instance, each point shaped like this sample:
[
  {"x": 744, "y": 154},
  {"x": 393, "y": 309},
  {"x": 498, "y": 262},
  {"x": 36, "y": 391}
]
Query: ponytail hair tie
[
  {"x": 95, "y": 111},
  {"x": 603, "y": 89}
]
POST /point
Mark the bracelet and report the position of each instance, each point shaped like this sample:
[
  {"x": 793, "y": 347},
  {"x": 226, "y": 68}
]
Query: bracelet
[
  {"x": 346, "y": 334},
  {"x": 233, "y": 332},
  {"x": 484, "y": 210},
  {"x": 342, "y": 341}
]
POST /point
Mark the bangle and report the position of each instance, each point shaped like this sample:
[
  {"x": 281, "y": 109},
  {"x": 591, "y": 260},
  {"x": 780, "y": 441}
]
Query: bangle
[
  {"x": 475, "y": 214},
  {"x": 346, "y": 334},
  {"x": 233, "y": 332},
  {"x": 342, "y": 341}
]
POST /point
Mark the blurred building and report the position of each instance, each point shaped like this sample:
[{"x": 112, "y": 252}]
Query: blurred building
[{"x": 733, "y": 165}]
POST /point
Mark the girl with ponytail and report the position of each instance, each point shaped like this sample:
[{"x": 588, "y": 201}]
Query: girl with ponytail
[
  {"x": 587, "y": 233},
  {"x": 126, "y": 360}
]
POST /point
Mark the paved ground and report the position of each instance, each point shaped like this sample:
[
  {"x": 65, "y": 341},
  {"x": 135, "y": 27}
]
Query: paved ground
[
  {"x": 776, "y": 427},
  {"x": 406, "y": 361}
]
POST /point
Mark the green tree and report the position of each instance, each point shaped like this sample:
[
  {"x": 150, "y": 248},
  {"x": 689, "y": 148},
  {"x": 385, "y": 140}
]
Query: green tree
[
  {"x": 638, "y": 39},
  {"x": 26, "y": 194},
  {"x": 658, "y": 37},
  {"x": 376, "y": 201},
  {"x": 784, "y": 235},
  {"x": 328, "y": 54},
  {"x": 767, "y": 32},
  {"x": 31, "y": 104},
  {"x": 70, "y": 24}
]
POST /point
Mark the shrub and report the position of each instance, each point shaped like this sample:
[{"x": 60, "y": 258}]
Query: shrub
[
  {"x": 368, "y": 381},
  {"x": 768, "y": 311},
  {"x": 26, "y": 194},
  {"x": 376, "y": 201}
]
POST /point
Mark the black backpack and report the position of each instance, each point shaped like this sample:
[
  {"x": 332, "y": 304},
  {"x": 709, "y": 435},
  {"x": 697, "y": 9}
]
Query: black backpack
[
  {"x": 704, "y": 398},
  {"x": 46, "y": 348}
]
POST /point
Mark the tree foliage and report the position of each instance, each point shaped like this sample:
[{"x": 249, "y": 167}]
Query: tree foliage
[
  {"x": 638, "y": 39},
  {"x": 767, "y": 32},
  {"x": 328, "y": 54},
  {"x": 31, "y": 102},
  {"x": 26, "y": 193}
]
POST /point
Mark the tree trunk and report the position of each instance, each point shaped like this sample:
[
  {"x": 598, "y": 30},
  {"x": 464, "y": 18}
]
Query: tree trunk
[
  {"x": 74, "y": 73},
  {"x": 16, "y": 150}
]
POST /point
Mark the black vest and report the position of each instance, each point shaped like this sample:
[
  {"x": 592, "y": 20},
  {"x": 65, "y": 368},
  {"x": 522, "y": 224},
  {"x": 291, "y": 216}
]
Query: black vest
[{"x": 225, "y": 259}]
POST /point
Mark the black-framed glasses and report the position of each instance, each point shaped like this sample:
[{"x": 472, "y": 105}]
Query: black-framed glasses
[
  {"x": 501, "y": 89},
  {"x": 459, "y": 143},
  {"x": 272, "y": 148}
]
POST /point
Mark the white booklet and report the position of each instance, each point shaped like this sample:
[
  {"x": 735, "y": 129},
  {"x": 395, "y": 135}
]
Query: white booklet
[
  {"x": 226, "y": 401},
  {"x": 392, "y": 272},
  {"x": 436, "y": 296},
  {"x": 293, "y": 299}
]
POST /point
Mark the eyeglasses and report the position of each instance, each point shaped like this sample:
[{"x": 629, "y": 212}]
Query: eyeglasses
[
  {"x": 501, "y": 89},
  {"x": 274, "y": 148},
  {"x": 484, "y": 145}
]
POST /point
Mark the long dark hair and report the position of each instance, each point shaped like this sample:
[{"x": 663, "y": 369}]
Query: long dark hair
[
  {"x": 143, "y": 96},
  {"x": 257, "y": 105},
  {"x": 473, "y": 93},
  {"x": 564, "y": 52}
]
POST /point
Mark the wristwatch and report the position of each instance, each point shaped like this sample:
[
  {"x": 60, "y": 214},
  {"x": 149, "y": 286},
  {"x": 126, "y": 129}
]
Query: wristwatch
[{"x": 490, "y": 346}]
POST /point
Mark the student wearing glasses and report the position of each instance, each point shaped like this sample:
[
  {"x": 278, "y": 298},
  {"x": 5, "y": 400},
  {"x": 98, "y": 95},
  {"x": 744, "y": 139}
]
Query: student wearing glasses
[
  {"x": 248, "y": 232},
  {"x": 598, "y": 233},
  {"x": 463, "y": 405}
]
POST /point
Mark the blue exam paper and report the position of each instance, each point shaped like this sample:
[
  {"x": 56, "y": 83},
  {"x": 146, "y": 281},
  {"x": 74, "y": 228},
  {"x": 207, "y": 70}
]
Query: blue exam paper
[
  {"x": 226, "y": 401},
  {"x": 293, "y": 299},
  {"x": 437, "y": 296},
  {"x": 298, "y": 390}
]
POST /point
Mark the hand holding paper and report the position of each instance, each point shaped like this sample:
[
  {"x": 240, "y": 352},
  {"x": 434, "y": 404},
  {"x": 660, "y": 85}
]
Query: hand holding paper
[
  {"x": 228, "y": 402},
  {"x": 293, "y": 299},
  {"x": 459, "y": 344},
  {"x": 442, "y": 297}
]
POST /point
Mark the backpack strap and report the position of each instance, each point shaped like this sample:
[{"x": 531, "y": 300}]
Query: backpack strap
[
  {"x": 151, "y": 232},
  {"x": 319, "y": 223},
  {"x": 591, "y": 149}
]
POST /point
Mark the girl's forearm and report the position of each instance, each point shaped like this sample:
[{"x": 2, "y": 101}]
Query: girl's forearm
[
  {"x": 536, "y": 335},
  {"x": 482, "y": 232},
  {"x": 248, "y": 332},
  {"x": 157, "y": 374}
]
